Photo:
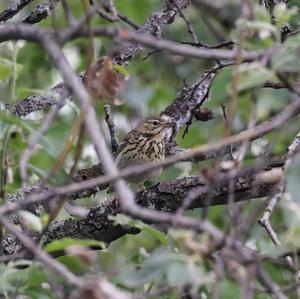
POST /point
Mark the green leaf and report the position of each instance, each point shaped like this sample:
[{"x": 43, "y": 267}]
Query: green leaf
[
  {"x": 74, "y": 264},
  {"x": 5, "y": 71},
  {"x": 122, "y": 70},
  {"x": 31, "y": 220},
  {"x": 59, "y": 245},
  {"x": 156, "y": 234}
]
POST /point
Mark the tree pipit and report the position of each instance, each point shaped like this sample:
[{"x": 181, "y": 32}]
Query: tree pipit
[{"x": 143, "y": 144}]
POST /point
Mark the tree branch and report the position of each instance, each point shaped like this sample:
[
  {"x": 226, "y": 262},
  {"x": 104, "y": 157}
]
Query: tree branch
[
  {"x": 42, "y": 11},
  {"x": 13, "y": 10},
  {"x": 166, "y": 197},
  {"x": 154, "y": 26}
]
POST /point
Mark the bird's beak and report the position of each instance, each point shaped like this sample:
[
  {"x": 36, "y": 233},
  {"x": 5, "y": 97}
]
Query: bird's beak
[{"x": 169, "y": 125}]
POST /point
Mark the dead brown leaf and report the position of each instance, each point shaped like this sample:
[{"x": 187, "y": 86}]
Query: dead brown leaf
[{"x": 103, "y": 82}]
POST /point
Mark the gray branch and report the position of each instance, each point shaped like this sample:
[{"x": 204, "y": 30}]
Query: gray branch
[
  {"x": 13, "y": 10},
  {"x": 182, "y": 107},
  {"x": 154, "y": 27},
  {"x": 39, "y": 102},
  {"x": 166, "y": 197},
  {"x": 42, "y": 11}
]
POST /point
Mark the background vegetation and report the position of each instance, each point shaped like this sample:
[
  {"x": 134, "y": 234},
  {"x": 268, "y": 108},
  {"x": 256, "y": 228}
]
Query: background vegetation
[{"x": 162, "y": 261}]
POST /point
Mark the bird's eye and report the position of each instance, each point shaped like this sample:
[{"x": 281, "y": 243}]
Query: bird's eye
[{"x": 155, "y": 123}]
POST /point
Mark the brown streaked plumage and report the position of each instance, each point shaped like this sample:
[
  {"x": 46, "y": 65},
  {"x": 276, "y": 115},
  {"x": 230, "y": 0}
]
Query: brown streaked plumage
[{"x": 143, "y": 144}]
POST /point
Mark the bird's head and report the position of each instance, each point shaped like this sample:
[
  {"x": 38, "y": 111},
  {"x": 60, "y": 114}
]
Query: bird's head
[{"x": 154, "y": 126}]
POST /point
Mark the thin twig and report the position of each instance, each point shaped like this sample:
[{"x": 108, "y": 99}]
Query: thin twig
[
  {"x": 293, "y": 149},
  {"x": 188, "y": 24},
  {"x": 274, "y": 85},
  {"x": 190, "y": 198},
  {"x": 150, "y": 53},
  {"x": 110, "y": 6},
  {"x": 268, "y": 283},
  {"x": 264, "y": 221},
  {"x": 128, "y": 21},
  {"x": 219, "y": 273},
  {"x": 278, "y": 192},
  {"x": 227, "y": 126},
  {"x": 68, "y": 13},
  {"x": 216, "y": 46},
  {"x": 187, "y": 50},
  {"x": 102, "y": 14},
  {"x": 188, "y": 123},
  {"x": 112, "y": 128}
]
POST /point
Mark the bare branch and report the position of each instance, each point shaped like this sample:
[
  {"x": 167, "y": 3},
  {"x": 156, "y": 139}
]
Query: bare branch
[
  {"x": 112, "y": 128},
  {"x": 167, "y": 197},
  {"x": 274, "y": 85},
  {"x": 293, "y": 149},
  {"x": 154, "y": 26},
  {"x": 275, "y": 198},
  {"x": 270, "y": 285},
  {"x": 42, "y": 11},
  {"x": 264, "y": 221},
  {"x": 38, "y": 102},
  {"x": 188, "y": 24},
  {"x": 13, "y": 10},
  {"x": 186, "y": 50}
]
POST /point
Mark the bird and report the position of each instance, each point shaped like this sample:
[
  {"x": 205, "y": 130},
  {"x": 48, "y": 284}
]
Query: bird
[{"x": 145, "y": 143}]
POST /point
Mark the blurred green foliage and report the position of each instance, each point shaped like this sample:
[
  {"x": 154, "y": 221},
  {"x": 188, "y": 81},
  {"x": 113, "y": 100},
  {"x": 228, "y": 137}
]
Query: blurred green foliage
[{"x": 154, "y": 260}]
